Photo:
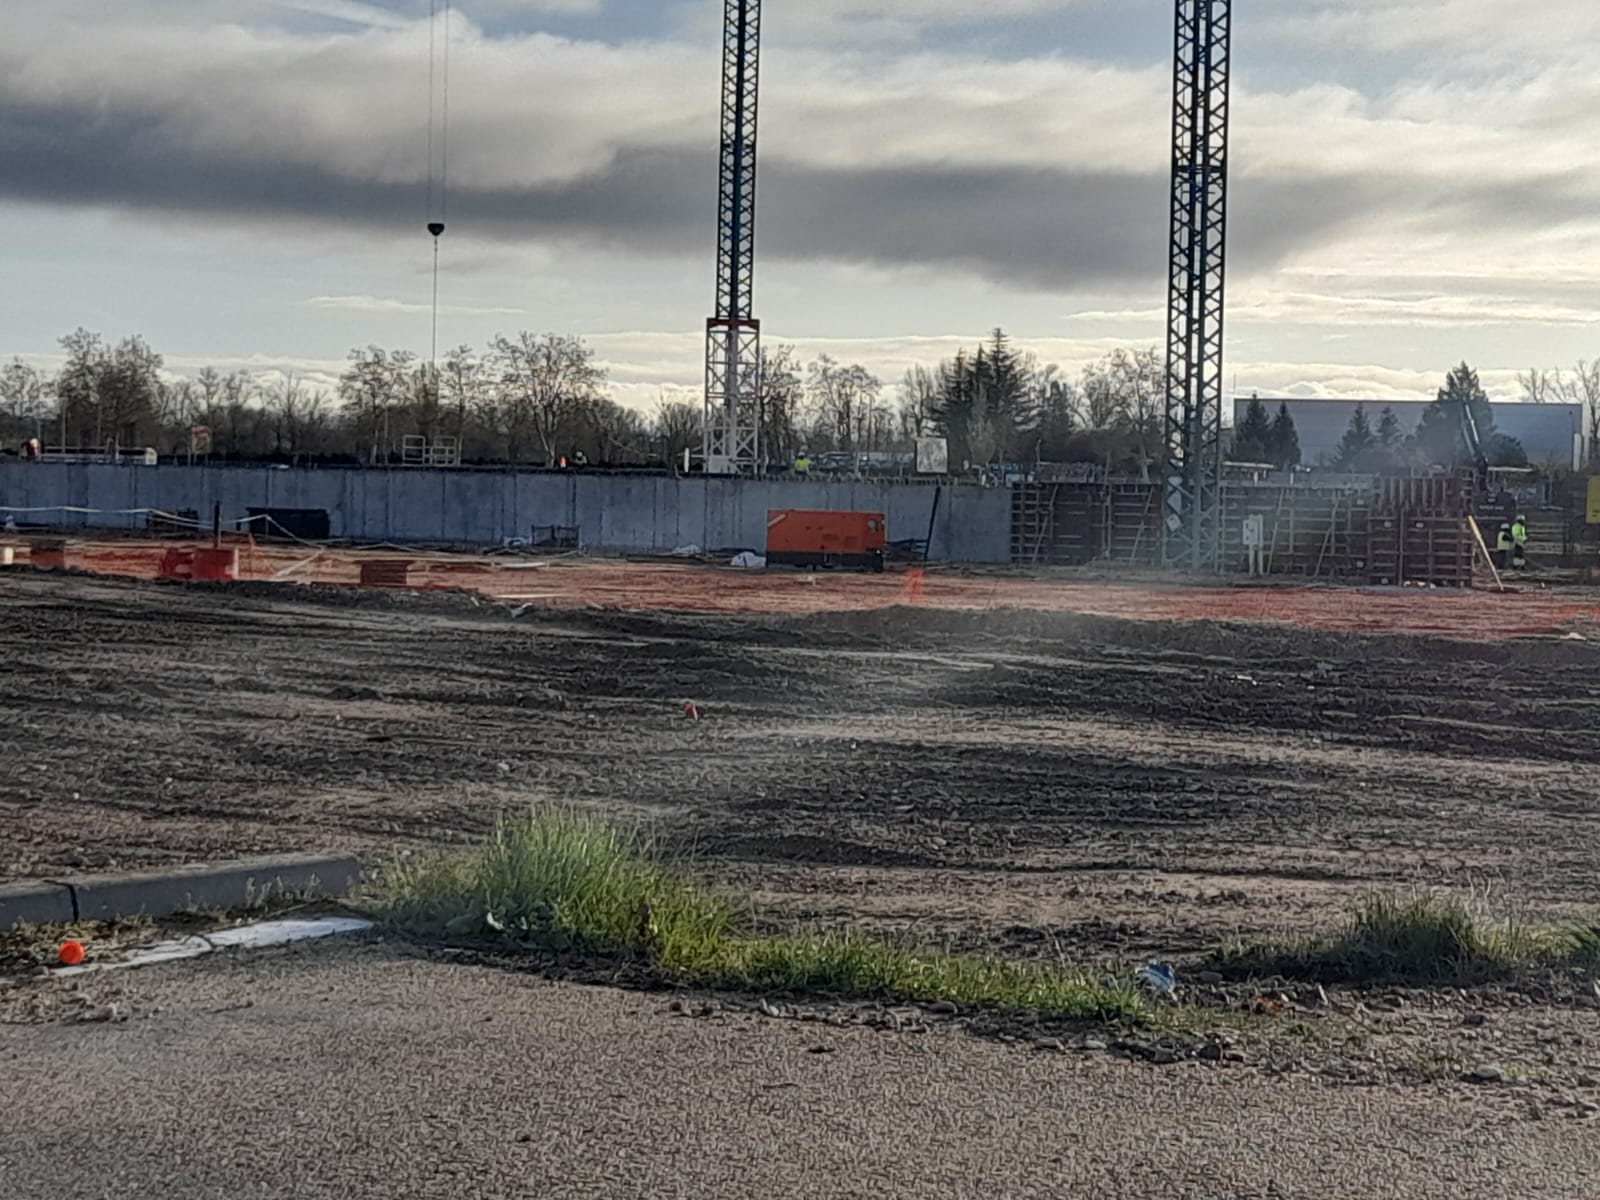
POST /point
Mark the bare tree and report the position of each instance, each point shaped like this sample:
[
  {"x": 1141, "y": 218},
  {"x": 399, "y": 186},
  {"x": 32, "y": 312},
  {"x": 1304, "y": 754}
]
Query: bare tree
[
  {"x": 177, "y": 402},
  {"x": 607, "y": 433},
  {"x": 1584, "y": 388},
  {"x": 1125, "y": 391},
  {"x": 209, "y": 387},
  {"x": 983, "y": 433},
  {"x": 238, "y": 417},
  {"x": 110, "y": 393},
  {"x": 23, "y": 391},
  {"x": 423, "y": 403},
  {"x": 77, "y": 386},
  {"x": 1101, "y": 401},
  {"x": 461, "y": 382},
  {"x": 544, "y": 383},
  {"x": 678, "y": 426},
  {"x": 919, "y": 402},
  {"x": 782, "y": 403},
  {"x": 1541, "y": 387},
  {"x": 846, "y": 400},
  {"x": 372, "y": 386},
  {"x": 295, "y": 416}
]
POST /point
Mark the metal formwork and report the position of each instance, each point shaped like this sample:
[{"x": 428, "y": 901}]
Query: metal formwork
[{"x": 1383, "y": 531}]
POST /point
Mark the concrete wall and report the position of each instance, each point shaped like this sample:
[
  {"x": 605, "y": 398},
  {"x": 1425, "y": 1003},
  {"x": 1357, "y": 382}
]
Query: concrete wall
[{"x": 613, "y": 512}]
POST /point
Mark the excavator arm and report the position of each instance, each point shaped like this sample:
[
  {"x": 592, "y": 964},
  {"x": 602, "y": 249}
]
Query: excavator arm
[{"x": 1469, "y": 434}]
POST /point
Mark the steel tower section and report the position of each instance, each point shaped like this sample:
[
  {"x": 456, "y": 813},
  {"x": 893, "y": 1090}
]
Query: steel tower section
[
  {"x": 1193, "y": 485},
  {"x": 733, "y": 335}
]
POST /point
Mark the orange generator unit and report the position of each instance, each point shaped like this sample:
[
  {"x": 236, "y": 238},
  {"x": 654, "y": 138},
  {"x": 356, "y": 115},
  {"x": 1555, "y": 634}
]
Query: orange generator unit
[{"x": 798, "y": 538}]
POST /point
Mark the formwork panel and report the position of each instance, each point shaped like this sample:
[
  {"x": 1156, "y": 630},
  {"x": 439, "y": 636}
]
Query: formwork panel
[{"x": 1378, "y": 530}]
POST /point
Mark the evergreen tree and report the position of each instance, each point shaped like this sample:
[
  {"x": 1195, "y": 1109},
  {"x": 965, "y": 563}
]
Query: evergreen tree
[
  {"x": 1252, "y": 440},
  {"x": 1058, "y": 420},
  {"x": 1011, "y": 394},
  {"x": 1503, "y": 450},
  {"x": 989, "y": 404},
  {"x": 1388, "y": 429},
  {"x": 1283, "y": 441},
  {"x": 1439, "y": 437},
  {"x": 952, "y": 408},
  {"x": 1356, "y": 446}
]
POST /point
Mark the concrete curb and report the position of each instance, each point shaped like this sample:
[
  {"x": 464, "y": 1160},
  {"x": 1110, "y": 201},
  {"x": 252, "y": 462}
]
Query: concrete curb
[
  {"x": 35, "y": 903},
  {"x": 247, "y": 883}
]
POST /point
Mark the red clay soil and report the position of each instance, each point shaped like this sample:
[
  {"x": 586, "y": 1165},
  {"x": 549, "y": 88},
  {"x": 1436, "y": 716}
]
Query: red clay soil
[{"x": 1481, "y": 616}]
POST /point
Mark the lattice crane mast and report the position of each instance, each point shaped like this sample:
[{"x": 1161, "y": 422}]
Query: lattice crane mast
[
  {"x": 733, "y": 335},
  {"x": 1197, "y": 278}
]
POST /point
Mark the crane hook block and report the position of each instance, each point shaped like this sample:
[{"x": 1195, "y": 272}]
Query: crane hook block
[{"x": 436, "y": 227}]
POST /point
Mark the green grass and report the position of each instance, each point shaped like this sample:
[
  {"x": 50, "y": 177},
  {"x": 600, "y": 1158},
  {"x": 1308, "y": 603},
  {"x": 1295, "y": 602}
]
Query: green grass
[
  {"x": 851, "y": 966},
  {"x": 1586, "y": 946},
  {"x": 1432, "y": 938},
  {"x": 1422, "y": 938},
  {"x": 558, "y": 880}
]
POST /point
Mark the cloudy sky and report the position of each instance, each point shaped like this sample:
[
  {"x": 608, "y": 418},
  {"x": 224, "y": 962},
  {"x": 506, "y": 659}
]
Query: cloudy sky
[{"x": 244, "y": 182}]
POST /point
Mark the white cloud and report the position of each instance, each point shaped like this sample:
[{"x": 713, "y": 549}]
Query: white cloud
[
  {"x": 392, "y": 305},
  {"x": 1492, "y": 35}
]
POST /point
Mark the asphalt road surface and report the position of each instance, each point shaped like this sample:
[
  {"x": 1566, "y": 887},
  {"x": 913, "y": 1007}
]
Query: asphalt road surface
[{"x": 354, "y": 1071}]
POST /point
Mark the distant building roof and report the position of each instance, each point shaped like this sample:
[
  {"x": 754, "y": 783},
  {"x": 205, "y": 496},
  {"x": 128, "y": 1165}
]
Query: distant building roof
[{"x": 1546, "y": 431}]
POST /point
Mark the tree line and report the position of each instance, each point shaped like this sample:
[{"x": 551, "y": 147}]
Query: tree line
[
  {"x": 537, "y": 399},
  {"x": 524, "y": 399}
]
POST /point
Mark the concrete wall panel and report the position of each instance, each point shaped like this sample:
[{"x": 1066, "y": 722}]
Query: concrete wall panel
[{"x": 614, "y": 513}]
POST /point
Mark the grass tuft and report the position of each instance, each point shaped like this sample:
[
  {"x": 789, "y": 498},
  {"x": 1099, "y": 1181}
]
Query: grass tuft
[
  {"x": 1431, "y": 938},
  {"x": 1585, "y": 950},
  {"x": 558, "y": 880},
  {"x": 1422, "y": 938}
]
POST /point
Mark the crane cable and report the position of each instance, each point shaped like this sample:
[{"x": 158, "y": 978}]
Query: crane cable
[{"x": 438, "y": 183}]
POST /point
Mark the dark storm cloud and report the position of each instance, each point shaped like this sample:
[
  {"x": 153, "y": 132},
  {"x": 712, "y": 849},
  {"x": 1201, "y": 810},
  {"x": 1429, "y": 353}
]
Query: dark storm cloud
[
  {"x": 1050, "y": 229},
  {"x": 1042, "y": 228}
]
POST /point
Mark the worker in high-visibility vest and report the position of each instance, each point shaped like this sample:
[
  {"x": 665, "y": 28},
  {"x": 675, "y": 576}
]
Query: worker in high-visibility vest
[
  {"x": 1519, "y": 542},
  {"x": 802, "y": 465},
  {"x": 1503, "y": 545}
]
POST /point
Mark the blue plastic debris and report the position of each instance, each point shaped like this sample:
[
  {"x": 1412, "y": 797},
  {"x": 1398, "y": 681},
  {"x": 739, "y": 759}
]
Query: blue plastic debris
[{"x": 1159, "y": 978}]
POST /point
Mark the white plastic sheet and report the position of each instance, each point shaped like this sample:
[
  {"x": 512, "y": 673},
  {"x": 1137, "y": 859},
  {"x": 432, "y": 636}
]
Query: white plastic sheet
[{"x": 256, "y": 936}]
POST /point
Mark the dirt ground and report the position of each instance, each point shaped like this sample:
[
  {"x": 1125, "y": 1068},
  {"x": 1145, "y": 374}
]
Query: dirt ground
[
  {"x": 1038, "y": 784},
  {"x": 1044, "y": 779}
]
